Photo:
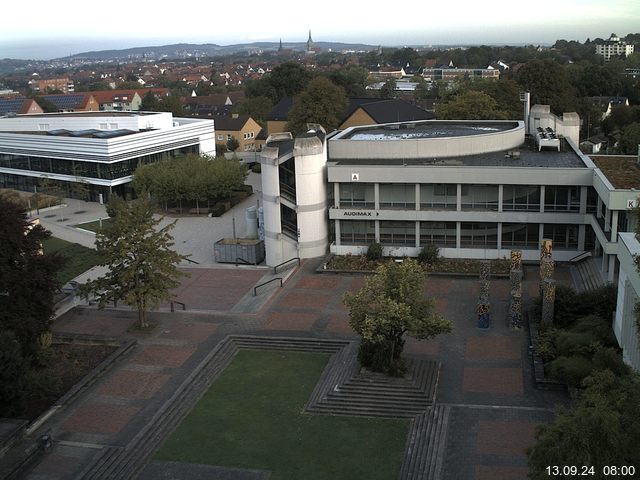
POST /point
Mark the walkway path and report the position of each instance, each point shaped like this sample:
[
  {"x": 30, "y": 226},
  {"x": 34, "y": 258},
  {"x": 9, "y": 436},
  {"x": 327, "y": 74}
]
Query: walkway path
[{"x": 485, "y": 382}]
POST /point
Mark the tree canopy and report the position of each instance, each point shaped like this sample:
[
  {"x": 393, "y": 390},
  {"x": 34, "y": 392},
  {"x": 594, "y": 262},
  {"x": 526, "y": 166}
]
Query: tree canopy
[
  {"x": 142, "y": 267},
  {"x": 389, "y": 305},
  {"x": 321, "y": 102},
  {"x": 549, "y": 84},
  {"x": 630, "y": 139},
  {"x": 470, "y": 105}
]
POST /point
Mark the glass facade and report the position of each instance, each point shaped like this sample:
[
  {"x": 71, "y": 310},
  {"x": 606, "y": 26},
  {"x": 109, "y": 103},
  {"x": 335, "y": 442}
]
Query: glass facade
[
  {"x": 398, "y": 233},
  {"x": 562, "y": 198},
  {"x": 98, "y": 170},
  {"x": 522, "y": 235},
  {"x": 565, "y": 237},
  {"x": 357, "y": 232},
  {"x": 398, "y": 195},
  {"x": 289, "y": 221},
  {"x": 441, "y": 234},
  {"x": 521, "y": 198},
  {"x": 287, "y": 175},
  {"x": 438, "y": 196},
  {"x": 479, "y": 197},
  {"x": 478, "y": 235},
  {"x": 357, "y": 195}
]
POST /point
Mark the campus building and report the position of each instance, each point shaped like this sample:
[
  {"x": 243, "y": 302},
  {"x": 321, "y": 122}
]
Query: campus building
[{"x": 100, "y": 149}]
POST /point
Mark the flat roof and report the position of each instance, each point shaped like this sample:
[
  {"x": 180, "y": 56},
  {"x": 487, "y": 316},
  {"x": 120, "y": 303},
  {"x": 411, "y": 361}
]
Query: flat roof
[
  {"x": 429, "y": 129},
  {"x": 101, "y": 113},
  {"x": 622, "y": 171},
  {"x": 529, "y": 157}
]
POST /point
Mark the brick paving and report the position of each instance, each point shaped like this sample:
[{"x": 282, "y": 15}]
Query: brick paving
[{"x": 479, "y": 367}]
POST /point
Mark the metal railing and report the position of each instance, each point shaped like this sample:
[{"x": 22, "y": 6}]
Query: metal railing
[
  {"x": 191, "y": 261},
  {"x": 275, "y": 269},
  {"x": 580, "y": 256},
  {"x": 184, "y": 307},
  {"x": 242, "y": 261},
  {"x": 255, "y": 289}
]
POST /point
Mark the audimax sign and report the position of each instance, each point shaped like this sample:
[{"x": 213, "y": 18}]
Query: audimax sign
[{"x": 360, "y": 213}]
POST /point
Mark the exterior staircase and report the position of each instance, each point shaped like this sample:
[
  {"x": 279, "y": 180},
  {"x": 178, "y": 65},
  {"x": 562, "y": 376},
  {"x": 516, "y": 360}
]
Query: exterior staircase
[{"x": 586, "y": 274}]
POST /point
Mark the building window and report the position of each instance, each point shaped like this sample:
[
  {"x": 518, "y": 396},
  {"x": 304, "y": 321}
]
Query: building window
[
  {"x": 43, "y": 127},
  {"x": 357, "y": 232},
  {"x": 358, "y": 195},
  {"x": 521, "y": 197},
  {"x": 289, "y": 222},
  {"x": 562, "y": 198},
  {"x": 398, "y": 233},
  {"x": 521, "y": 235},
  {"x": 480, "y": 197},
  {"x": 479, "y": 235},
  {"x": 592, "y": 200},
  {"x": 229, "y": 137},
  {"x": 398, "y": 195},
  {"x": 441, "y": 234},
  {"x": 565, "y": 237},
  {"x": 438, "y": 196}
]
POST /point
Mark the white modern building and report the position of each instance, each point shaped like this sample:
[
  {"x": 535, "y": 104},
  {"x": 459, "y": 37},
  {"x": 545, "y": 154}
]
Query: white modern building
[
  {"x": 613, "y": 48},
  {"x": 624, "y": 326},
  {"x": 101, "y": 149}
]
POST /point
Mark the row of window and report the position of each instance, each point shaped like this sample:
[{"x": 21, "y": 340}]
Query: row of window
[
  {"x": 78, "y": 168},
  {"x": 443, "y": 234},
  {"x": 473, "y": 197}
]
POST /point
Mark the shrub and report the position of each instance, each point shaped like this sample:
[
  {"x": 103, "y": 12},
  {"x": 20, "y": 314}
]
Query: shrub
[
  {"x": 545, "y": 344},
  {"x": 374, "y": 252},
  {"x": 256, "y": 168},
  {"x": 610, "y": 359},
  {"x": 570, "y": 306},
  {"x": 572, "y": 343},
  {"x": 375, "y": 356},
  {"x": 429, "y": 254},
  {"x": 570, "y": 370},
  {"x": 595, "y": 325}
]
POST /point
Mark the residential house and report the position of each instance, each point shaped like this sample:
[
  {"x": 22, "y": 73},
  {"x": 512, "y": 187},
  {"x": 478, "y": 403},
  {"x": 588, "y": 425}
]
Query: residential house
[
  {"x": 15, "y": 106},
  {"x": 74, "y": 102},
  {"x": 278, "y": 117},
  {"x": 211, "y": 105},
  {"x": 118, "y": 100},
  {"x": 64, "y": 84},
  {"x": 241, "y": 127},
  {"x": 607, "y": 104},
  {"x": 371, "y": 111}
]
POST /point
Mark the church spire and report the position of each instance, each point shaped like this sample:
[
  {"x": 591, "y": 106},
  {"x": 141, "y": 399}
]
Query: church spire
[
  {"x": 309, "y": 42},
  {"x": 280, "y": 47}
]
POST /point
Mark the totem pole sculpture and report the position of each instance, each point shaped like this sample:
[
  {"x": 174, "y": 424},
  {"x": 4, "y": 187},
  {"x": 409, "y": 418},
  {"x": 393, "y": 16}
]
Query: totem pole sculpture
[
  {"x": 515, "y": 276},
  {"x": 483, "y": 307},
  {"x": 547, "y": 284}
]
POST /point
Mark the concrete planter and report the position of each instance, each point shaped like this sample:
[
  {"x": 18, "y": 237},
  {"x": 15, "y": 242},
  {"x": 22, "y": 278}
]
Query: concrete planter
[{"x": 239, "y": 250}]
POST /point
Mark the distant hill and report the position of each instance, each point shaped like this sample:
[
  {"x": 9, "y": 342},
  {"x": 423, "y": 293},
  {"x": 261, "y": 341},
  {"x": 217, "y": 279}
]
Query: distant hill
[{"x": 185, "y": 50}]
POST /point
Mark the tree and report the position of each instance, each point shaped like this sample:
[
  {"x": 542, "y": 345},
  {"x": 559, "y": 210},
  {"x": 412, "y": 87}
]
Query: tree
[
  {"x": 321, "y": 102},
  {"x": 289, "y": 79},
  {"x": 142, "y": 267},
  {"x": 603, "y": 429},
  {"x": 47, "y": 106},
  {"x": 256, "y": 107},
  {"x": 630, "y": 139},
  {"x": 149, "y": 102},
  {"x": 549, "y": 84},
  {"x": 389, "y": 305},
  {"x": 12, "y": 374},
  {"x": 470, "y": 105},
  {"x": 388, "y": 90},
  {"x": 27, "y": 278},
  {"x": 233, "y": 144},
  {"x": 353, "y": 78}
]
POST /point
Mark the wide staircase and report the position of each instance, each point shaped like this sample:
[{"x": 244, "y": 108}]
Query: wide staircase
[{"x": 586, "y": 274}]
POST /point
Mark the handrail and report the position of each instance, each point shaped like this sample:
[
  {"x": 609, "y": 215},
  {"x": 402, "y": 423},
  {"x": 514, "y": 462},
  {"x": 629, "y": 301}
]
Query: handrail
[
  {"x": 192, "y": 261},
  {"x": 243, "y": 261},
  {"x": 284, "y": 263},
  {"x": 184, "y": 307},
  {"x": 255, "y": 289},
  {"x": 580, "y": 256}
]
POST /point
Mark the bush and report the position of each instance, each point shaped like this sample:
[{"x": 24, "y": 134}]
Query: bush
[
  {"x": 12, "y": 374},
  {"x": 572, "y": 343},
  {"x": 429, "y": 254},
  {"x": 545, "y": 344},
  {"x": 256, "y": 168},
  {"x": 570, "y": 306},
  {"x": 610, "y": 359},
  {"x": 374, "y": 252},
  {"x": 599, "y": 328},
  {"x": 570, "y": 370},
  {"x": 375, "y": 356}
]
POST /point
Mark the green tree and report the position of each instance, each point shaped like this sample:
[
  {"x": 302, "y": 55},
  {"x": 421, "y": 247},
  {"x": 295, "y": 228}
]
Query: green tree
[
  {"x": 389, "y": 305},
  {"x": 470, "y": 105},
  {"x": 46, "y": 105},
  {"x": 233, "y": 144},
  {"x": 353, "y": 78},
  {"x": 142, "y": 267},
  {"x": 548, "y": 83},
  {"x": 12, "y": 374},
  {"x": 603, "y": 429},
  {"x": 630, "y": 139},
  {"x": 289, "y": 79},
  {"x": 321, "y": 102},
  {"x": 27, "y": 278},
  {"x": 149, "y": 102},
  {"x": 388, "y": 90},
  {"x": 256, "y": 107}
]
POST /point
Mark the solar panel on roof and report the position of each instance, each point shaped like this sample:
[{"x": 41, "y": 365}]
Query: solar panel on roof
[
  {"x": 84, "y": 133},
  {"x": 58, "y": 132}
]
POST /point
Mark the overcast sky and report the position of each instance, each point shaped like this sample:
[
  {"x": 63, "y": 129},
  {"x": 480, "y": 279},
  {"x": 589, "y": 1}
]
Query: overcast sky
[{"x": 42, "y": 29}]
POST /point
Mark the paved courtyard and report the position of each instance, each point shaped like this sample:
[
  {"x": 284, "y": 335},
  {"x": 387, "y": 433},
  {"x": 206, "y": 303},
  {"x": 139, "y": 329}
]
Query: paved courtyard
[{"x": 485, "y": 377}]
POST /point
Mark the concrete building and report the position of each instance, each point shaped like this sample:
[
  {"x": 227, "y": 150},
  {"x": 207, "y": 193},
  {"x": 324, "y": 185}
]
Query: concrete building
[
  {"x": 613, "y": 48},
  {"x": 241, "y": 127},
  {"x": 450, "y": 74},
  {"x": 624, "y": 325},
  {"x": 64, "y": 84},
  {"x": 101, "y": 149}
]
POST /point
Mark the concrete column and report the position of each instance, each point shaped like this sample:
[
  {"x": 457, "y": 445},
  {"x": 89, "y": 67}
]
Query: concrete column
[
  {"x": 417, "y": 234},
  {"x": 458, "y": 228},
  {"x": 614, "y": 225},
  {"x": 337, "y": 231},
  {"x": 377, "y": 229},
  {"x": 417, "y": 196},
  {"x": 605, "y": 259},
  {"x": 542, "y": 193},
  {"x": 500, "y": 200},
  {"x": 612, "y": 268},
  {"x": 459, "y": 200},
  {"x": 583, "y": 200},
  {"x": 582, "y": 234},
  {"x": 599, "y": 208},
  {"x": 607, "y": 220},
  {"x": 500, "y": 227},
  {"x": 336, "y": 194},
  {"x": 376, "y": 199},
  {"x": 540, "y": 234}
]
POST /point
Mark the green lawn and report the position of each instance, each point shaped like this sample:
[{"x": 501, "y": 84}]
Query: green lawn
[
  {"x": 252, "y": 417},
  {"x": 79, "y": 259},
  {"x": 95, "y": 225}
]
